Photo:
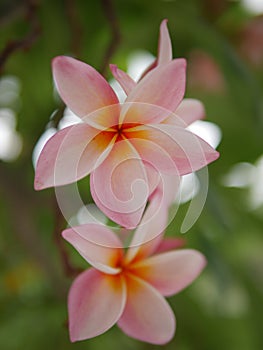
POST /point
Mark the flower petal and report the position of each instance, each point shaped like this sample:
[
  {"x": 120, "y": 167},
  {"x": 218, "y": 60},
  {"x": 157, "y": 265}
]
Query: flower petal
[
  {"x": 164, "y": 49},
  {"x": 168, "y": 188},
  {"x": 71, "y": 154},
  {"x": 97, "y": 244},
  {"x": 165, "y": 53},
  {"x": 190, "y": 110},
  {"x": 119, "y": 186},
  {"x": 171, "y": 149},
  {"x": 152, "y": 176},
  {"x": 148, "y": 69},
  {"x": 174, "y": 119},
  {"x": 95, "y": 303},
  {"x": 127, "y": 219},
  {"x": 151, "y": 150},
  {"x": 156, "y": 95},
  {"x": 187, "y": 112},
  {"x": 105, "y": 118},
  {"x": 171, "y": 272},
  {"x": 149, "y": 233},
  {"x": 126, "y": 82},
  {"x": 147, "y": 316},
  {"x": 169, "y": 244},
  {"x": 124, "y": 219},
  {"x": 80, "y": 86}
]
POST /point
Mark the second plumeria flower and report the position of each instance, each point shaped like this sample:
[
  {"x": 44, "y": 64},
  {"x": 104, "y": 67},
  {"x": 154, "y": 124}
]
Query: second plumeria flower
[{"x": 129, "y": 288}]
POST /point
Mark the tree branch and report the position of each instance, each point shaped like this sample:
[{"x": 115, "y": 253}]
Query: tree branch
[
  {"x": 68, "y": 268},
  {"x": 25, "y": 43},
  {"x": 111, "y": 17},
  {"x": 21, "y": 206},
  {"x": 75, "y": 27}
]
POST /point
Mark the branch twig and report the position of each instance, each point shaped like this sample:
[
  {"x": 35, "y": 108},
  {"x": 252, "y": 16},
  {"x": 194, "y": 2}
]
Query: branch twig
[
  {"x": 75, "y": 27},
  {"x": 68, "y": 268},
  {"x": 21, "y": 204},
  {"x": 25, "y": 43},
  {"x": 111, "y": 17}
]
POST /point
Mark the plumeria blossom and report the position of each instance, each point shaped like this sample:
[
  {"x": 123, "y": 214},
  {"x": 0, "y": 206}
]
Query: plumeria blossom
[
  {"x": 123, "y": 147},
  {"x": 129, "y": 288}
]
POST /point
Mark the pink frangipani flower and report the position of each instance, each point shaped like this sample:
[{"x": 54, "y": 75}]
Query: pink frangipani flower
[
  {"x": 122, "y": 147},
  {"x": 129, "y": 288}
]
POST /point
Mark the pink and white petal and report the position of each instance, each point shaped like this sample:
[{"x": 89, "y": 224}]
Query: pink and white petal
[
  {"x": 157, "y": 95},
  {"x": 123, "y": 219},
  {"x": 165, "y": 53},
  {"x": 148, "y": 69},
  {"x": 80, "y": 86},
  {"x": 125, "y": 81},
  {"x": 171, "y": 272},
  {"x": 105, "y": 118},
  {"x": 190, "y": 110},
  {"x": 187, "y": 112},
  {"x": 153, "y": 177},
  {"x": 174, "y": 119},
  {"x": 147, "y": 316},
  {"x": 98, "y": 245},
  {"x": 164, "y": 49},
  {"x": 120, "y": 184},
  {"x": 168, "y": 188},
  {"x": 153, "y": 151},
  {"x": 149, "y": 233},
  {"x": 169, "y": 244},
  {"x": 95, "y": 303},
  {"x": 173, "y": 150},
  {"x": 71, "y": 154},
  {"x": 127, "y": 219}
]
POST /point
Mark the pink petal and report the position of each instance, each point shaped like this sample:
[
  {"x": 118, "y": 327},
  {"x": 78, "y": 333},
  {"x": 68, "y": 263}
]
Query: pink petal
[
  {"x": 156, "y": 95},
  {"x": 128, "y": 219},
  {"x": 164, "y": 48},
  {"x": 174, "y": 119},
  {"x": 148, "y": 69},
  {"x": 148, "y": 235},
  {"x": 171, "y": 272},
  {"x": 147, "y": 316},
  {"x": 95, "y": 303},
  {"x": 169, "y": 244},
  {"x": 152, "y": 176},
  {"x": 190, "y": 110},
  {"x": 165, "y": 53},
  {"x": 119, "y": 186},
  {"x": 98, "y": 245},
  {"x": 171, "y": 149},
  {"x": 105, "y": 118},
  {"x": 71, "y": 154},
  {"x": 154, "y": 151},
  {"x": 124, "y": 219},
  {"x": 126, "y": 82},
  {"x": 168, "y": 188},
  {"x": 81, "y": 87}
]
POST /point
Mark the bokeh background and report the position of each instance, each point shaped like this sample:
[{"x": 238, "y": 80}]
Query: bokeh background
[{"x": 223, "y": 43}]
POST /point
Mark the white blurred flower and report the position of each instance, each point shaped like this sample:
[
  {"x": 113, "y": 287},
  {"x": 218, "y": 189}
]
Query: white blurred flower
[
  {"x": 10, "y": 139},
  {"x": 246, "y": 175}
]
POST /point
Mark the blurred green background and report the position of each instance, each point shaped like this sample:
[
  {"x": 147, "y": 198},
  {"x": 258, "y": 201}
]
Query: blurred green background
[{"x": 223, "y": 43}]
